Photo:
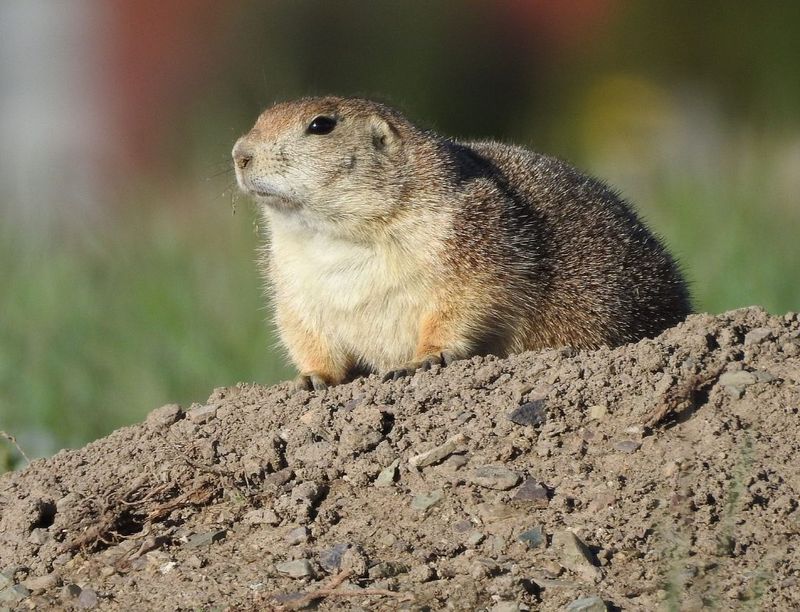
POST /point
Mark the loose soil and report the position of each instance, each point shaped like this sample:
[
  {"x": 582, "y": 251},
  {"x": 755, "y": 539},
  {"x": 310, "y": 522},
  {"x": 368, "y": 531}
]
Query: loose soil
[{"x": 659, "y": 475}]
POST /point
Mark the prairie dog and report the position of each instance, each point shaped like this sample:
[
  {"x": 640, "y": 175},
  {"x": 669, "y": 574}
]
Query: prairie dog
[{"x": 392, "y": 248}]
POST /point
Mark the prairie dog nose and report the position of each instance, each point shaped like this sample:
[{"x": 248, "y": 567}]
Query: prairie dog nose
[{"x": 242, "y": 155}]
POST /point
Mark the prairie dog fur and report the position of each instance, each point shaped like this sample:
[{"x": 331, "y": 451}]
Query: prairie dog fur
[{"x": 392, "y": 248}]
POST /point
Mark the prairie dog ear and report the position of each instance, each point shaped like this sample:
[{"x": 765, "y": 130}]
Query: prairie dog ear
[{"x": 385, "y": 137}]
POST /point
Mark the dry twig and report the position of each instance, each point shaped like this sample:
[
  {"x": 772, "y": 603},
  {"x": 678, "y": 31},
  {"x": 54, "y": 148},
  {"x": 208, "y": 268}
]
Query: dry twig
[
  {"x": 330, "y": 590},
  {"x": 13, "y": 441}
]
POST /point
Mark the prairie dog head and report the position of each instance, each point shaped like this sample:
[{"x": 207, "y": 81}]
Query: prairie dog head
[{"x": 332, "y": 163}]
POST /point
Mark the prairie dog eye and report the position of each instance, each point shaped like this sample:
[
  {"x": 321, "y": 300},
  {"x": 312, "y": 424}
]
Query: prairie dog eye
[{"x": 321, "y": 125}]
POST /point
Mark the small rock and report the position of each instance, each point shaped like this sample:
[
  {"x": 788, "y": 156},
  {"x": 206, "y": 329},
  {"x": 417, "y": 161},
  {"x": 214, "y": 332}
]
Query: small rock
[
  {"x": 575, "y": 556},
  {"x": 331, "y": 559},
  {"x": 355, "y": 561},
  {"x": 279, "y": 478},
  {"x": 454, "y": 463},
  {"x": 386, "y": 569},
  {"x": 757, "y": 335},
  {"x": 735, "y": 383},
  {"x": 587, "y": 604},
  {"x": 552, "y": 569},
  {"x": 202, "y": 414},
  {"x": 549, "y": 583},
  {"x": 298, "y": 535},
  {"x": 290, "y": 600},
  {"x": 505, "y": 606},
  {"x": 62, "y": 559},
  {"x": 530, "y": 413},
  {"x": 42, "y": 583},
  {"x": 494, "y": 477},
  {"x": 87, "y": 599},
  {"x": 107, "y": 570},
  {"x": 14, "y": 594},
  {"x": 521, "y": 390},
  {"x": 424, "y": 501},
  {"x": 38, "y": 536},
  {"x": 194, "y": 562},
  {"x": 602, "y": 501},
  {"x": 262, "y": 516},
  {"x": 301, "y": 568},
  {"x": 168, "y": 567},
  {"x": 163, "y": 417},
  {"x": 388, "y": 475},
  {"x": 421, "y": 573},
  {"x": 627, "y": 446},
  {"x": 533, "y": 491},
  {"x": 598, "y": 413},
  {"x": 308, "y": 492},
  {"x": 475, "y": 538},
  {"x": 498, "y": 544},
  {"x": 482, "y": 568},
  {"x": 435, "y": 455},
  {"x": 671, "y": 468},
  {"x": 791, "y": 349},
  {"x": 533, "y": 538},
  {"x": 763, "y": 376},
  {"x": 207, "y": 538},
  {"x": 70, "y": 592}
]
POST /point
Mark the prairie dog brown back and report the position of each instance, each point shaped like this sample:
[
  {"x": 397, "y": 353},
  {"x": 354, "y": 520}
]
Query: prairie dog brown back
[{"x": 392, "y": 249}]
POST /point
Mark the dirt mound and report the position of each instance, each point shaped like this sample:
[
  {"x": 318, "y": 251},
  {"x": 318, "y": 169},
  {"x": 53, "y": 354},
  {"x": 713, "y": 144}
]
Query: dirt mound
[{"x": 660, "y": 474}]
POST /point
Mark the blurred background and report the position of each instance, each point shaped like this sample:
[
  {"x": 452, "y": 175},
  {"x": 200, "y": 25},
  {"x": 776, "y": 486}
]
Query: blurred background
[{"x": 127, "y": 275}]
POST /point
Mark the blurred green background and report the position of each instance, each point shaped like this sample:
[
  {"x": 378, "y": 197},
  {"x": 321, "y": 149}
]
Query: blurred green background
[{"x": 126, "y": 279}]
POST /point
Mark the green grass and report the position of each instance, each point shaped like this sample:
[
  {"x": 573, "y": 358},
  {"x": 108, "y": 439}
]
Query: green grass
[
  {"x": 158, "y": 308},
  {"x": 165, "y": 303}
]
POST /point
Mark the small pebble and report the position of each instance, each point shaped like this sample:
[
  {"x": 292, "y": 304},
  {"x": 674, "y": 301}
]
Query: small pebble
[
  {"x": 435, "y": 455},
  {"x": 475, "y": 538},
  {"x": 530, "y": 413},
  {"x": 587, "y": 604},
  {"x": 757, "y": 335},
  {"x": 70, "y": 591},
  {"x": 533, "y": 491},
  {"x": 202, "y": 414},
  {"x": 207, "y": 538},
  {"x": 421, "y": 573},
  {"x": 763, "y": 376},
  {"x": 301, "y": 568},
  {"x": 309, "y": 492},
  {"x": 163, "y": 417},
  {"x": 262, "y": 516},
  {"x": 627, "y": 446},
  {"x": 424, "y": 501},
  {"x": 598, "y": 413},
  {"x": 355, "y": 561},
  {"x": 331, "y": 559},
  {"x": 87, "y": 599},
  {"x": 388, "y": 474},
  {"x": 39, "y": 536},
  {"x": 791, "y": 349},
  {"x": 735, "y": 383},
  {"x": 533, "y": 538},
  {"x": 505, "y": 606},
  {"x": 575, "y": 556},
  {"x": 386, "y": 569},
  {"x": 494, "y": 477},
  {"x": 298, "y": 535},
  {"x": 14, "y": 594}
]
